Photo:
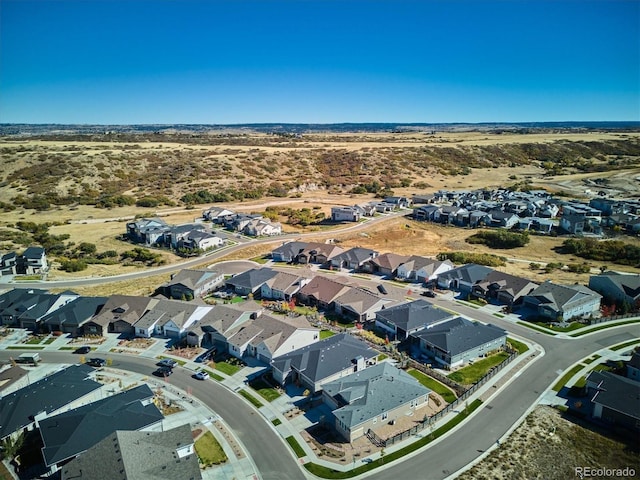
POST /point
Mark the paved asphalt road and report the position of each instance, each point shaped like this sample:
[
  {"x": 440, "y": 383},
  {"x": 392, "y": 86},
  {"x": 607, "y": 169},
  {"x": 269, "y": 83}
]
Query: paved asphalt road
[{"x": 272, "y": 456}]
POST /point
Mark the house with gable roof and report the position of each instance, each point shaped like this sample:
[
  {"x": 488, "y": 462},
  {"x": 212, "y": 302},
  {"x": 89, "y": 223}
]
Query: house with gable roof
[
  {"x": 219, "y": 323},
  {"x": 359, "y": 304},
  {"x": 463, "y": 278},
  {"x": 70, "y": 317},
  {"x": 321, "y": 292},
  {"x": 147, "y": 231},
  {"x": 423, "y": 269},
  {"x": 70, "y": 433},
  {"x": 63, "y": 389},
  {"x": 288, "y": 252},
  {"x": 385, "y": 264},
  {"x": 251, "y": 281},
  {"x": 617, "y": 288},
  {"x": 563, "y": 302},
  {"x": 459, "y": 340},
  {"x": 169, "y": 318},
  {"x": 354, "y": 258},
  {"x": 503, "y": 287},
  {"x": 402, "y": 320},
  {"x": 192, "y": 283},
  {"x": 119, "y": 315},
  {"x": 320, "y": 253},
  {"x": 283, "y": 286},
  {"x": 615, "y": 399},
  {"x": 371, "y": 398},
  {"x": 166, "y": 455},
  {"x": 324, "y": 361}
]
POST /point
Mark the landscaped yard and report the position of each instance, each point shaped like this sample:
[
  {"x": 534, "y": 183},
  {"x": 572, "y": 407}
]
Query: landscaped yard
[
  {"x": 209, "y": 451},
  {"x": 326, "y": 334},
  {"x": 227, "y": 367},
  {"x": 434, "y": 385},
  {"x": 265, "y": 390},
  {"x": 566, "y": 377},
  {"x": 519, "y": 346},
  {"x": 299, "y": 451},
  {"x": 474, "y": 372},
  {"x": 253, "y": 400}
]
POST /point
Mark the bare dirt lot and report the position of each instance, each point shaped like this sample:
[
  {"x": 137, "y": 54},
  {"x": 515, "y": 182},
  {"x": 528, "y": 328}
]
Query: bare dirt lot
[{"x": 548, "y": 447}]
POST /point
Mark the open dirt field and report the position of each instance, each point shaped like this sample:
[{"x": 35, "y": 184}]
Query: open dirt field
[{"x": 548, "y": 447}]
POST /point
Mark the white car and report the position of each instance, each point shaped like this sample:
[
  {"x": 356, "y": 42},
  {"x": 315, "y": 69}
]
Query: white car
[{"x": 201, "y": 375}]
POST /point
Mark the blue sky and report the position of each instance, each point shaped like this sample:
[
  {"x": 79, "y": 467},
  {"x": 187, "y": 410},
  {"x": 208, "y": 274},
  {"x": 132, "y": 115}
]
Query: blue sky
[{"x": 306, "y": 61}]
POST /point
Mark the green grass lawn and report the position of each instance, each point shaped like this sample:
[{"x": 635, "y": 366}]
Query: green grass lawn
[
  {"x": 267, "y": 392},
  {"x": 602, "y": 327},
  {"x": 49, "y": 340},
  {"x": 236, "y": 300},
  {"x": 382, "y": 357},
  {"x": 227, "y": 368},
  {"x": 209, "y": 451},
  {"x": 180, "y": 362},
  {"x": 34, "y": 341},
  {"x": 213, "y": 375},
  {"x": 569, "y": 328},
  {"x": 295, "y": 446},
  {"x": 537, "y": 329},
  {"x": 519, "y": 346},
  {"x": 474, "y": 372},
  {"x": 253, "y": 400},
  {"x": 499, "y": 315},
  {"x": 26, "y": 347},
  {"x": 326, "y": 334},
  {"x": 276, "y": 422},
  {"x": 67, "y": 348},
  {"x": 623, "y": 345},
  {"x": 432, "y": 384},
  {"x": 566, "y": 377},
  {"x": 592, "y": 359}
]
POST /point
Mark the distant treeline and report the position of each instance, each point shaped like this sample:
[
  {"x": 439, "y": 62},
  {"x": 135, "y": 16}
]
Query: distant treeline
[{"x": 615, "y": 251}]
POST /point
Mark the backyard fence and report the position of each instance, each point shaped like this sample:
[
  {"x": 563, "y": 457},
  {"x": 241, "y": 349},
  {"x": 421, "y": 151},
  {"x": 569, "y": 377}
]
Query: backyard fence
[{"x": 594, "y": 321}]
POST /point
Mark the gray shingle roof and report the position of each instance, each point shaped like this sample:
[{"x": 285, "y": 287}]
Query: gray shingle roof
[
  {"x": 459, "y": 335},
  {"x": 470, "y": 273},
  {"x": 562, "y": 297},
  {"x": 67, "y": 434},
  {"x": 75, "y": 312},
  {"x": 46, "y": 395},
  {"x": 192, "y": 278},
  {"x": 617, "y": 393},
  {"x": 132, "y": 455},
  {"x": 373, "y": 391},
  {"x": 326, "y": 357},
  {"x": 251, "y": 279},
  {"x": 166, "y": 310},
  {"x": 355, "y": 255},
  {"x": 409, "y": 316}
]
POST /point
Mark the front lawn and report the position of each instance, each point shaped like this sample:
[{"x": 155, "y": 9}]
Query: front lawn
[
  {"x": 432, "y": 384},
  {"x": 209, "y": 451},
  {"x": 264, "y": 389},
  {"x": 253, "y": 400},
  {"x": 227, "y": 368},
  {"x": 295, "y": 446},
  {"x": 516, "y": 345},
  {"x": 326, "y": 334},
  {"x": 478, "y": 369},
  {"x": 566, "y": 377}
]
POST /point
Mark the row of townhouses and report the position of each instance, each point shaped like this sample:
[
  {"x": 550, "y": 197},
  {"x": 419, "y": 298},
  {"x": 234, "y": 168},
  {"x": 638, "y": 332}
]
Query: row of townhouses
[{"x": 251, "y": 224}]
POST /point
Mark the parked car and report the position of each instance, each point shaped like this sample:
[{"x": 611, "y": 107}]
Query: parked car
[
  {"x": 97, "y": 362},
  {"x": 82, "y": 350},
  {"x": 428, "y": 293},
  {"x": 201, "y": 375},
  {"x": 167, "y": 362},
  {"x": 382, "y": 290},
  {"x": 206, "y": 356},
  {"x": 163, "y": 372}
]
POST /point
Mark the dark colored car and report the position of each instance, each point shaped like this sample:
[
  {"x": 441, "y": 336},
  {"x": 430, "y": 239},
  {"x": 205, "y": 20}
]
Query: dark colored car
[
  {"x": 82, "y": 350},
  {"x": 382, "y": 290},
  {"x": 163, "y": 372},
  {"x": 167, "y": 362},
  {"x": 97, "y": 362},
  {"x": 428, "y": 293}
]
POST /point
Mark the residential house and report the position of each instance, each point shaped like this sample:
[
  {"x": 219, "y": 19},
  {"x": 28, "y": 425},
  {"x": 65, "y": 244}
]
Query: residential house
[
  {"x": 73, "y": 432},
  {"x": 502, "y": 287},
  {"x": 251, "y": 281},
  {"x": 371, "y": 398},
  {"x": 271, "y": 337},
  {"x": 219, "y": 323},
  {"x": 26, "y": 309},
  {"x": 238, "y": 221},
  {"x": 283, "y": 286},
  {"x": 423, "y": 269},
  {"x": 502, "y": 219},
  {"x": 463, "y": 278},
  {"x": 398, "y": 202},
  {"x": 385, "y": 264},
  {"x": 354, "y": 258},
  {"x": 321, "y": 292},
  {"x": 359, "y": 304},
  {"x": 563, "y": 302},
  {"x": 459, "y": 340},
  {"x": 119, "y": 315},
  {"x": 9, "y": 264},
  {"x": 199, "y": 239},
  {"x": 12, "y": 377},
  {"x": 262, "y": 227},
  {"x": 33, "y": 261},
  {"x": 147, "y": 231},
  {"x": 178, "y": 236},
  {"x": 70, "y": 317},
  {"x": 578, "y": 218},
  {"x": 191, "y": 283},
  {"x": 166, "y": 455},
  {"x": 400, "y": 321},
  {"x": 615, "y": 399},
  {"x": 633, "y": 366},
  {"x": 216, "y": 214},
  {"x": 427, "y": 213},
  {"x": 288, "y": 252},
  {"x": 324, "y": 361},
  {"x": 346, "y": 214},
  {"x": 64, "y": 388},
  {"x": 320, "y": 253},
  {"x": 617, "y": 288},
  {"x": 169, "y": 318}
]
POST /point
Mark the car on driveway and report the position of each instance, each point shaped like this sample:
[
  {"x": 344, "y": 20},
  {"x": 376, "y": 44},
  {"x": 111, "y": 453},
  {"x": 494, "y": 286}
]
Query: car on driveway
[
  {"x": 167, "y": 362},
  {"x": 82, "y": 350},
  {"x": 163, "y": 372},
  {"x": 97, "y": 362},
  {"x": 382, "y": 290},
  {"x": 201, "y": 375}
]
